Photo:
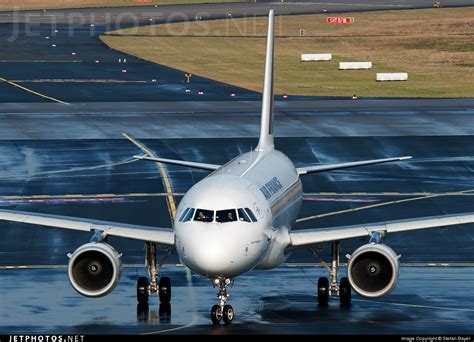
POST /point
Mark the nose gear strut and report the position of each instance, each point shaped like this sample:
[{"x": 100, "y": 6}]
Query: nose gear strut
[{"x": 222, "y": 310}]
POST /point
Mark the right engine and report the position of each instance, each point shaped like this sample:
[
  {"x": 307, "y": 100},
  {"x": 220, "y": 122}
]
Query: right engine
[
  {"x": 94, "y": 269},
  {"x": 373, "y": 270}
]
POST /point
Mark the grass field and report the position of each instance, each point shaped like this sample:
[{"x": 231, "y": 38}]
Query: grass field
[
  {"x": 8, "y": 5},
  {"x": 435, "y": 46}
]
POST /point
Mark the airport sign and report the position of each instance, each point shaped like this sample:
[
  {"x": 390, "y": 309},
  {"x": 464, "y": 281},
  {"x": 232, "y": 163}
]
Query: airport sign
[{"x": 340, "y": 20}]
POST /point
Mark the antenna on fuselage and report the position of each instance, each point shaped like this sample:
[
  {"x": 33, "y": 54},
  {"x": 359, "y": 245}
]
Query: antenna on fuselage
[{"x": 265, "y": 142}]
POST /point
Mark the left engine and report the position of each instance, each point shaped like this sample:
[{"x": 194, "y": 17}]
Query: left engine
[
  {"x": 94, "y": 269},
  {"x": 373, "y": 270}
]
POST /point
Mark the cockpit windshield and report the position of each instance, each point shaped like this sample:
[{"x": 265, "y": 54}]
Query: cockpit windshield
[
  {"x": 204, "y": 215},
  {"x": 227, "y": 215},
  {"x": 221, "y": 216}
]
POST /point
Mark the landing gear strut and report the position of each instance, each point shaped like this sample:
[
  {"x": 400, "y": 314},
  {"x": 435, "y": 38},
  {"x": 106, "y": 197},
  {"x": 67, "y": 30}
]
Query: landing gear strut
[
  {"x": 328, "y": 289},
  {"x": 222, "y": 310},
  {"x": 145, "y": 287}
]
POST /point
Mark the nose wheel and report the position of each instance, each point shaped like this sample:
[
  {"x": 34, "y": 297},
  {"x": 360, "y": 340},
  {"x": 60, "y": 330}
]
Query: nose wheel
[
  {"x": 222, "y": 311},
  {"x": 228, "y": 314},
  {"x": 216, "y": 314}
]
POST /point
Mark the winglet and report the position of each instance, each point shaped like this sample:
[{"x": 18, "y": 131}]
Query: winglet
[{"x": 266, "y": 125}]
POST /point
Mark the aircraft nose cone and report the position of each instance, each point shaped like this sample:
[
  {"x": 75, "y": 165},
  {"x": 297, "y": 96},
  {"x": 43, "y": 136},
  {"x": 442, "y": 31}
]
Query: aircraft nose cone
[
  {"x": 211, "y": 251},
  {"x": 212, "y": 259}
]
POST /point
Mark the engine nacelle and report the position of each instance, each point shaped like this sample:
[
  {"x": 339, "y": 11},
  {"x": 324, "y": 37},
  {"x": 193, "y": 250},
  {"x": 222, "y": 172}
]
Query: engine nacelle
[
  {"x": 94, "y": 269},
  {"x": 373, "y": 270}
]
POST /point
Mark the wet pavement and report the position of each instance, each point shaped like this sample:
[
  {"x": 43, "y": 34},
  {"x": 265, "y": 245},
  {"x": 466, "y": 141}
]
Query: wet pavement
[{"x": 427, "y": 300}]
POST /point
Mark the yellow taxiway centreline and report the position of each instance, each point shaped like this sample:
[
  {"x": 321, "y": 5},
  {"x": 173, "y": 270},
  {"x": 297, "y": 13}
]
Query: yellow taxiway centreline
[{"x": 31, "y": 91}]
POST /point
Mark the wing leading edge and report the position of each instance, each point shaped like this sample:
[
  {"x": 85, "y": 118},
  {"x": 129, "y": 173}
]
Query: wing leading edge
[
  {"x": 195, "y": 165},
  {"x": 329, "y": 167},
  {"x": 306, "y": 237},
  {"x": 157, "y": 235}
]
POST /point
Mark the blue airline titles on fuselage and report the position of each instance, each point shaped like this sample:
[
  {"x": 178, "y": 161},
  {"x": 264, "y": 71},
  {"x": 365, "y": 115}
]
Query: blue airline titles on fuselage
[{"x": 271, "y": 188}]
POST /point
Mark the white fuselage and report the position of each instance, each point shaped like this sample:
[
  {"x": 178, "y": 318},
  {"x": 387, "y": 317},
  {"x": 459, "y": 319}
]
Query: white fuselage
[{"x": 228, "y": 241}]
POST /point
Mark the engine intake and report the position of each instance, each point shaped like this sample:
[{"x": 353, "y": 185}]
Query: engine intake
[
  {"x": 94, "y": 269},
  {"x": 373, "y": 270}
]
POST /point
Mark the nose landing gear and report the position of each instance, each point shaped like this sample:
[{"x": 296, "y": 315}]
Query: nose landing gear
[{"x": 222, "y": 311}]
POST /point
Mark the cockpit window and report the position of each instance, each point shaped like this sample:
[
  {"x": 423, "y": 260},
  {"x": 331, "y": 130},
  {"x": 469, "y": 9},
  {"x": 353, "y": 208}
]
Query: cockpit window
[
  {"x": 184, "y": 214},
  {"x": 228, "y": 215},
  {"x": 243, "y": 215},
  {"x": 204, "y": 215},
  {"x": 188, "y": 216},
  {"x": 250, "y": 213}
]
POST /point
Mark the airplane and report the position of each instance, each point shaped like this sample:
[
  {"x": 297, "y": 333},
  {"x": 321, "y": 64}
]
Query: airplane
[{"x": 237, "y": 219}]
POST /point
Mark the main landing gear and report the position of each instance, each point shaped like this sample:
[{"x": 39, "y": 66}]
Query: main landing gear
[
  {"x": 222, "y": 311},
  {"x": 145, "y": 287},
  {"x": 328, "y": 289}
]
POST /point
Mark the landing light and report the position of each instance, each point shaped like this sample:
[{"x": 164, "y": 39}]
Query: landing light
[
  {"x": 232, "y": 94},
  {"x": 216, "y": 281}
]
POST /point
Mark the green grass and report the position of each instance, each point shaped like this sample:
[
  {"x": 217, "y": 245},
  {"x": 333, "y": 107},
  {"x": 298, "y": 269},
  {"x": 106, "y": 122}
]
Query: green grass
[{"x": 434, "y": 46}]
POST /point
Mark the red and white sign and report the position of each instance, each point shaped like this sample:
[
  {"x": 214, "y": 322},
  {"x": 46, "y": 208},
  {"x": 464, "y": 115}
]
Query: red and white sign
[{"x": 340, "y": 20}]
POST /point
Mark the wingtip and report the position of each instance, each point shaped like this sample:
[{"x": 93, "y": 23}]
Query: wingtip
[
  {"x": 405, "y": 157},
  {"x": 138, "y": 156}
]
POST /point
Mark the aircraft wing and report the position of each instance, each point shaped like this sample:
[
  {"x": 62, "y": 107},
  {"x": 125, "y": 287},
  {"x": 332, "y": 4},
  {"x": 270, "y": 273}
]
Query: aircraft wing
[
  {"x": 306, "y": 237},
  {"x": 329, "y": 167},
  {"x": 157, "y": 235},
  {"x": 195, "y": 165}
]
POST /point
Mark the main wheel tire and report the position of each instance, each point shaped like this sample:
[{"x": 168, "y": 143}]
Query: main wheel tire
[
  {"x": 323, "y": 291},
  {"x": 345, "y": 292},
  {"x": 165, "y": 290},
  {"x": 142, "y": 290},
  {"x": 228, "y": 314},
  {"x": 216, "y": 314}
]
